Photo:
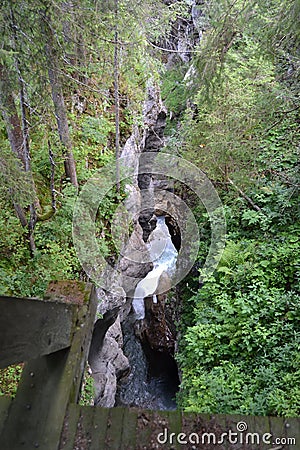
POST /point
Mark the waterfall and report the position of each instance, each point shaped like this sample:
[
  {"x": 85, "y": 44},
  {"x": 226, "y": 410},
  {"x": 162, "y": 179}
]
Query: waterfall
[
  {"x": 163, "y": 255},
  {"x": 153, "y": 381}
]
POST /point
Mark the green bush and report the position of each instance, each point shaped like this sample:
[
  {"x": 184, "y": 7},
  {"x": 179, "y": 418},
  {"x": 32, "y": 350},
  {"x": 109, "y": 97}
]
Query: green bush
[{"x": 241, "y": 354}]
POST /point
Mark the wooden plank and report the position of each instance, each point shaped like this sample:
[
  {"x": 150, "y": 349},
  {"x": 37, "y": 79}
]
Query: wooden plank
[
  {"x": 159, "y": 423},
  {"x": 145, "y": 420},
  {"x": 292, "y": 427},
  {"x": 30, "y": 328},
  {"x": 84, "y": 432},
  {"x": 262, "y": 427},
  {"x": 48, "y": 384},
  {"x": 5, "y": 402},
  {"x": 114, "y": 429},
  {"x": 100, "y": 425},
  {"x": 191, "y": 425},
  {"x": 202, "y": 425},
  {"x": 240, "y": 425},
  {"x": 150, "y": 425},
  {"x": 278, "y": 431},
  {"x": 35, "y": 398},
  {"x": 175, "y": 426},
  {"x": 129, "y": 429},
  {"x": 219, "y": 425},
  {"x": 67, "y": 439}
]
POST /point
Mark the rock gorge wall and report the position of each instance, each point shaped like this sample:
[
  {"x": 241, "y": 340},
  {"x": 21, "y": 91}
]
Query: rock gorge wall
[{"x": 107, "y": 360}]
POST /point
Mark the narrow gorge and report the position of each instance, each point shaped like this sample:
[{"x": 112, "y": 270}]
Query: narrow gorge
[{"x": 132, "y": 353}]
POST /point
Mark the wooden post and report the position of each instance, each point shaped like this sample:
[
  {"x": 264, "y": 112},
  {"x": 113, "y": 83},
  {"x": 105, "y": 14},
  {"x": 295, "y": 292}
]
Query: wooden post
[
  {"x": 30, "y": 328},
  {"x": 49, "y": 383}
]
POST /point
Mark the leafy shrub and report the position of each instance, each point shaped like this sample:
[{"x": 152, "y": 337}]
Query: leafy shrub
[{"x": 241, "y": 354}]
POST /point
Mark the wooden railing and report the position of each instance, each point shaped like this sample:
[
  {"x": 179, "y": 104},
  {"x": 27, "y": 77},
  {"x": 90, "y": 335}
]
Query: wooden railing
[{"x": 53, "y": 337}]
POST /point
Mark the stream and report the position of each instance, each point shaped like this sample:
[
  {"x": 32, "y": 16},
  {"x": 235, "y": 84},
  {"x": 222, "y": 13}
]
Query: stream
[
  {"x": 153, "y": 381},
  {"x": 163, "y": 255}
]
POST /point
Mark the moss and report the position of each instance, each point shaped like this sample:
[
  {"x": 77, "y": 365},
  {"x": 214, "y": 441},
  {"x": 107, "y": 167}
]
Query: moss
[{"x": 69, "y": 291}]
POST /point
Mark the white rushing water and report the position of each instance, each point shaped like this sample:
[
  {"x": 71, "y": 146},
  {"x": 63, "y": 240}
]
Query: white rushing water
[{"x": 163, "y": 255}]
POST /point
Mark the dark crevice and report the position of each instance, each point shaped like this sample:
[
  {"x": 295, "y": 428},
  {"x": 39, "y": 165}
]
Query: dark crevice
[
  {"x": 174, "y": 231},
  {"x": 163, "y": 371}
]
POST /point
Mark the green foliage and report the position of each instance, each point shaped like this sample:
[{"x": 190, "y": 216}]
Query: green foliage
[
  {"x": 87, "y": 394},
  {"x": 173, "y": 91},
  {"x": 9, "y": 379},
  {"x": 15, "y": 184},
  {"x": 55, "y": 258},
  {"x": 84, "y": 46},
  {"x": 93, "y": 137},
  {"x": 241, "y": 335},
  {"x": 241, "y": 355},
  {"x": 226, "y": 136},
  {"x": 239, "y": 351}
]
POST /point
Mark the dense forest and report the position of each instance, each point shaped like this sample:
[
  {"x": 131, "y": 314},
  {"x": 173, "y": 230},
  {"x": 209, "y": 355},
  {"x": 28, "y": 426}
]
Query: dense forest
[{"x": 73, "y": 82}]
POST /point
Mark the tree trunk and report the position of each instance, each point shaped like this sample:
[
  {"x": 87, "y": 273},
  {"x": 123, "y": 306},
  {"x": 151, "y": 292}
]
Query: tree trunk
[
  {"x": 58, "y": 100},
  {"x": 62, "y": 125},
  {"x": 117, "y": 97},
  {"x": 17, "y": 143},
  {"x": 10, "y": 116},
  {"x": 25, "y": 133}
]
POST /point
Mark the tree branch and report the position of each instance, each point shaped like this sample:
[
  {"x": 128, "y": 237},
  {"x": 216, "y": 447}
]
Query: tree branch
[
  {"x": 245, "y": 196},
  {"x": 242, "y": 193}
]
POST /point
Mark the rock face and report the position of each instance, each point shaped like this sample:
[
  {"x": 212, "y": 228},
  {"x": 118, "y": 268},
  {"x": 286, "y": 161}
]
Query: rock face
[
  {"x": 155, "y": 115},
  {"x": 107, "y": 360},
  {"x": 157, "y": 330},
  {"x": 135, "y": 263},
  {"x": 110, "y": 366}
]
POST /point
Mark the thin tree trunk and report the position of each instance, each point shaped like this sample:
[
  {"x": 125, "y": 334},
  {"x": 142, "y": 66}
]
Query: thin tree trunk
[
  {"x": 58, "y": 101},
  {"x": 52, "y": 187},
  {"x": 81, "y": 59},
  {"x": 62, "y": 125},
  {"x": 25, "y": 133},
  {"x": 117, "y": 97},
  {"x": 10, "y": 116},
  {"x": 35, "y": 204},
  {"x": 245, "y": 196},
  {"x": 16, "y": 139},
  {"x": 239, "y": 190},
  {"x": 75, "y": 37}
]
